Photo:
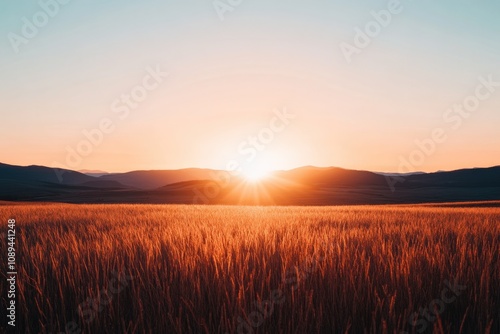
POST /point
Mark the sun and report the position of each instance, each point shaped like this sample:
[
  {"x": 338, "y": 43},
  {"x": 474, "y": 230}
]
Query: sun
[{"x": 255, "y": 174}]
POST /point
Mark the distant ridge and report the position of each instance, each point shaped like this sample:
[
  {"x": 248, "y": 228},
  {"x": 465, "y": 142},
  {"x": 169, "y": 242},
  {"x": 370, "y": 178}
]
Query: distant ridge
[
  {"x": 307, "y": 185},
  {"x": 42, "y": 173},
  {"x": 95, "y": 173},
  {"x": 151, "y": 179}
]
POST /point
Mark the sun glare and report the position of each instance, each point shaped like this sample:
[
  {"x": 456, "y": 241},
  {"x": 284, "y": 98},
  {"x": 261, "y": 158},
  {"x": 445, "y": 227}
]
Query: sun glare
[{"x": 255, "y": 174}]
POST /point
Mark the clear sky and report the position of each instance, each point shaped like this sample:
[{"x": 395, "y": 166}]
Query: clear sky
[{"x": 226, "y": 79}]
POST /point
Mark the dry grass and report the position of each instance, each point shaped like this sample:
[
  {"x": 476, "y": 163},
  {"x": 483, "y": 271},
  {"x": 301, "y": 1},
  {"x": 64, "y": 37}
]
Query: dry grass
[{"x": 198, "y": 269}]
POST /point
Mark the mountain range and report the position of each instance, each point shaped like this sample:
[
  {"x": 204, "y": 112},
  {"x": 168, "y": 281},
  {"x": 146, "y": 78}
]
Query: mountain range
[{"x": 301, "y": 186}]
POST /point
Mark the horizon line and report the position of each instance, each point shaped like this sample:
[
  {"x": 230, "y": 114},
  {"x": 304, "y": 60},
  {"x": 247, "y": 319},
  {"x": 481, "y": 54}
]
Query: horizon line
[{"x": 98, "y": 171}]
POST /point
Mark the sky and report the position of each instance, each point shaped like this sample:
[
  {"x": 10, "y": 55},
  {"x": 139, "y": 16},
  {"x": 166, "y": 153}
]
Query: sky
[{"x": 139, "y": 85}]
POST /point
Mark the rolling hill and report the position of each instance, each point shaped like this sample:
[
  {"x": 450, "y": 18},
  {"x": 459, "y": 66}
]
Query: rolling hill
[{"x": 300, "y": 186}]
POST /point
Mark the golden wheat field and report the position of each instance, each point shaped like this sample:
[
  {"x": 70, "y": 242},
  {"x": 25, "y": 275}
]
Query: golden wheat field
[{"x": 230, "y": 269}]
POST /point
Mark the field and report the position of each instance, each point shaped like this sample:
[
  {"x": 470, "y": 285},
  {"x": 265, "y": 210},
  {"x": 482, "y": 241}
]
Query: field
[{"x": 230, "y": 269}]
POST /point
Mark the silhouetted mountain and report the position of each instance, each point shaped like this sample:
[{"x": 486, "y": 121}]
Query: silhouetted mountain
[
  {"x": 300, "y": 186},
  {"x": 41, "y": 173},
  {"x": 399, "y": 174},
  {"x": 153, "y": 179},
  {"x": 474, "y": 177},
  {"x": 331, "y": 177},
  {"x": 104, "y": 184},
  {"x": 95, "y": 173}
]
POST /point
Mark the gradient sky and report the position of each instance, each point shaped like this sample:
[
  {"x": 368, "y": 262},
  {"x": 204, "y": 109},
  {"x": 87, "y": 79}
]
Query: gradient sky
[{"x": 227, "y": 76}]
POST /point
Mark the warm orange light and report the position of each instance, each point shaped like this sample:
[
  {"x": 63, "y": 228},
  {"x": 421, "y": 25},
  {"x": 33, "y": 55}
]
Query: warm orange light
[{"x": 255, "y": 174}]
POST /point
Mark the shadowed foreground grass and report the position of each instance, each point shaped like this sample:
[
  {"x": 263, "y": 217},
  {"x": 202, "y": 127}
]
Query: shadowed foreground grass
[{"x": 218, "y": 269}]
